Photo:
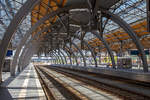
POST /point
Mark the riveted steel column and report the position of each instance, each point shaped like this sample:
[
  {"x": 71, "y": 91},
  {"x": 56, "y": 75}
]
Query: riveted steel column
[
  {"x": 26, "y": 54},
  {"x": 58, "y": 57},
  {"x": 54, "y": 59},
  {"x": 21, "y": 57},
  {"x": 70, "y": 49},
  {"x": 27, "y": 58},
  {"x": 107, "y": 47},
  {"x": 91, "y": 50},
  {"x": 31, "y": 48},
  {"x": 20, "y": 60},
  {"x": 29, "y": 53},
  {"x": 132, "y": 34},
  {"x": 67, "y": 52},
  {"x": 63, "y": 56},
  {"x": 24, "y": 10},
  {"x": 18, "y": 50},
  {"x": 80, "y": 53},
  {"x": 58, "y": 54}
]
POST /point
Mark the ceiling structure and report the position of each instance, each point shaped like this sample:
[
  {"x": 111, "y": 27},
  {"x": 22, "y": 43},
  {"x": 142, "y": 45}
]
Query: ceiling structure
[
  {"x": 76, "y": 22},
  {"x": 52, "y": 27},
  {"x": 118, "y": 37},
  {"x": 8, "y": 9},
  {"x": 132, "y": 11}
]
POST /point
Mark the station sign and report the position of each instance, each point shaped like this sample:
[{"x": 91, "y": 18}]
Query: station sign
[{"x": 9, "y": 53}]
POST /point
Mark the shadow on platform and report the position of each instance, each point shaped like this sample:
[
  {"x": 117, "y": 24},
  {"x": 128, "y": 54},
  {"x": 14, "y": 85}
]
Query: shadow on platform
[{"x": 4, "y": 92}]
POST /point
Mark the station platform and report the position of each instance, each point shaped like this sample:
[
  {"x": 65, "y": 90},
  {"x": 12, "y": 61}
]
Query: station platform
[
  {"x": 24, "y": 86},
  {"x": 132, "y": 74}
]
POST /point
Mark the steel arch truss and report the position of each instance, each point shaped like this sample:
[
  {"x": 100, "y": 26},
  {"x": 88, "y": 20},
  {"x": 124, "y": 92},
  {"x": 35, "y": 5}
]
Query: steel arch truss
[{"x": 63, "y": 28}]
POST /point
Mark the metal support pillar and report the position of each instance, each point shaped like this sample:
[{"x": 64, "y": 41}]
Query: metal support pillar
[
  {"x": 70, "y": 50},
  {"x": 58, "y": 53},
  {"x": 26, "y": 59},
  {"x": 54, "y": 61},
  {"x": 80, "y": 53},
  {"x": 90, "y": 48},
  {"x": 26, "y": 54},
  {"x": 58, "y": 57},
  {"x": 58, "y": 60},
  {"x": 96, "y": 33},
  {"x": 63, "y": 56},
  {"x": 132, "y": 34},
  {"x": 22, "y": 56},
  {"x": 19, "y": 47},
  {"x": 20, "y": 60},
  {"x": 92, "y": 52},
  {"x": 24, "y": 10},
  {"x": 67, "y": 52}
]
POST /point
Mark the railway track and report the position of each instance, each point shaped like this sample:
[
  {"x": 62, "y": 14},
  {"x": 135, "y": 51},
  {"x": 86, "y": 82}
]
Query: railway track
[
  {"x": 61, "y": 87},
  {"x": 86, "y": 86}
]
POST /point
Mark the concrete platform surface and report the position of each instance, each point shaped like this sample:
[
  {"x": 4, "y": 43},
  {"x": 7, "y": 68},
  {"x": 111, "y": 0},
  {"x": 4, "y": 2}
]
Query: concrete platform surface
[
  {"x": 137, "y": 75},
  {"x": 25, "y": 86}
]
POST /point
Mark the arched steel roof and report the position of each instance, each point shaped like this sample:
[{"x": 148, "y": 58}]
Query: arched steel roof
[{"x": 55, "y": 24}]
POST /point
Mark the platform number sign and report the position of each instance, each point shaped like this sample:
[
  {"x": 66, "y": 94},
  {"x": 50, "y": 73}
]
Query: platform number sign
[{"x": 9, "y": 53}]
